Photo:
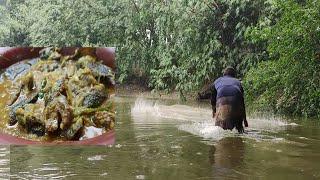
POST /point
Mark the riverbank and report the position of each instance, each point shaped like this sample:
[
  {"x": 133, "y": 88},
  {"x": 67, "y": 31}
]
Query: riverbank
[{"x": 132, "y": 90}]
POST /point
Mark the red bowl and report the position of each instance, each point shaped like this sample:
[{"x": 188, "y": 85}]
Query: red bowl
[{"x": 11, "y": 55}]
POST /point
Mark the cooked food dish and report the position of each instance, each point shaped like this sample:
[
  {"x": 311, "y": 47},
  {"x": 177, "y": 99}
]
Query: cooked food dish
[{"x": 56, "y": 97}]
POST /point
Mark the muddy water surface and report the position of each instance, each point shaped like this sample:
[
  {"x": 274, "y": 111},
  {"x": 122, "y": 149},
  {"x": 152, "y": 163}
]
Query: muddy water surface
[{"x": 158, "y": 139}]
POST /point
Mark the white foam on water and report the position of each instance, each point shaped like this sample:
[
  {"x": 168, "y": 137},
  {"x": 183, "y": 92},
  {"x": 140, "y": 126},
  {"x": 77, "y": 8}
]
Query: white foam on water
[
  {"x": 96, "y": 158},
  {"x": 48, "y": 169},
  {"x": 269, "y": 124},
  {"x": 258, "y": 130},
  {"x": 176, "y": 147},
  {"x": 140, "y": 176},
  {"x": 104, "y": 174},
  {"x": 207, "y": 130}
]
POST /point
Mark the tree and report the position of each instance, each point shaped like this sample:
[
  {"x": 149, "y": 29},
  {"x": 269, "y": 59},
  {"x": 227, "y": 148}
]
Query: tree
[{"x": 290, "y": 82}]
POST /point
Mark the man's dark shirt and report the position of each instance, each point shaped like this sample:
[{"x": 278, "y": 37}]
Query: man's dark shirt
[
  {"x": 228, "y": 86},
  {"x": 222, "y": 87}
]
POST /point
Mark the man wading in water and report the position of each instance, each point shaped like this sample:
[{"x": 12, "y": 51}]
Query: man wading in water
[{"x": 226, "y": 94}]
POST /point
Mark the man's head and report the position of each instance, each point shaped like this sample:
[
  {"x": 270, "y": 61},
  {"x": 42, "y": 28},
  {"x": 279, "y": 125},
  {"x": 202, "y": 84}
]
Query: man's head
[{"x": 229, "y": 71}]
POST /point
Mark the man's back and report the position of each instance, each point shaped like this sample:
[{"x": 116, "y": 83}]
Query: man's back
[
  {"x": 228, "y": 86},
  {"x": 226, "y": 94}
]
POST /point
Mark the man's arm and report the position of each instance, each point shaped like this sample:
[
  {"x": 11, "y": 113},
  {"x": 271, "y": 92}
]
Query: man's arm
[
  {"x": 207, "y": 93},
  {"x": 244, "y": 108},
  {"x": 213, "y": 101}
]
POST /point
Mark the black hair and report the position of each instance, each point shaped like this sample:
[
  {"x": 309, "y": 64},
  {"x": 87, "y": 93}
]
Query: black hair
[{"x": 230, "y": 71}]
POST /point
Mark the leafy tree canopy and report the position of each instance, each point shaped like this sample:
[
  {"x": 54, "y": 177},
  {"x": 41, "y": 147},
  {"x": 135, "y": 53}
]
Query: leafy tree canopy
[{"x": 184, "y": 45}]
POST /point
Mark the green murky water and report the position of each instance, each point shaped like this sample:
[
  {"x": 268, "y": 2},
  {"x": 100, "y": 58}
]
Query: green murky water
[{"x": 159, "y": 140}]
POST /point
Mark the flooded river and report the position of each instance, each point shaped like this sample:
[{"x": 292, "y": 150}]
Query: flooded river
[{"x": 158, "y": 139}]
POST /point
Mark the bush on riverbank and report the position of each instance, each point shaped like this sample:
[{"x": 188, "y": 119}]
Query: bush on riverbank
[{"x": 290, "y": 81}]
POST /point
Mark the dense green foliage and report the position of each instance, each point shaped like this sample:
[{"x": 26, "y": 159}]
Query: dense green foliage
[
  {"x": 290, "y": 81},
  {"x": 61, "y": 23},
  {"x": 175, "y": 45},
  {"x": 184, "y": 45},
  {"x": 202, "y": 40}
]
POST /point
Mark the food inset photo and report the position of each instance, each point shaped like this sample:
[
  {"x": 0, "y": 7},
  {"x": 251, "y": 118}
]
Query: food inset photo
[{"x": 57, "y": 94}]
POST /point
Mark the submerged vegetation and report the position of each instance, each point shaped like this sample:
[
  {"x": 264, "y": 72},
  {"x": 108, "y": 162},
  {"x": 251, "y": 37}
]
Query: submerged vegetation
[{"x": 183, "y": 45}]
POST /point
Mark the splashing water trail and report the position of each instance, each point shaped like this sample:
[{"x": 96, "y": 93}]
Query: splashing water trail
[
  {"x": 198, "y": 121},
  {"x": 150, "y": 111}
]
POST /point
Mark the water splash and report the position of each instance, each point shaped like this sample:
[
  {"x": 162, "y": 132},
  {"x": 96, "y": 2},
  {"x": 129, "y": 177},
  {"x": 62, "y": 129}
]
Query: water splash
[
  {"x": 207, "y": 130},
  {"x": 143, "y": 106},
  {"x": 272, "y": 124},
  {"x": 198, "y": 121},
  {"x": 147, "y": 108}
]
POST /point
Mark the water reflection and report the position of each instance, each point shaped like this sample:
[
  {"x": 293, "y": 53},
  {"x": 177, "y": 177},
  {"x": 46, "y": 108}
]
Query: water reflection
[{"x": 226, "y": 156}]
